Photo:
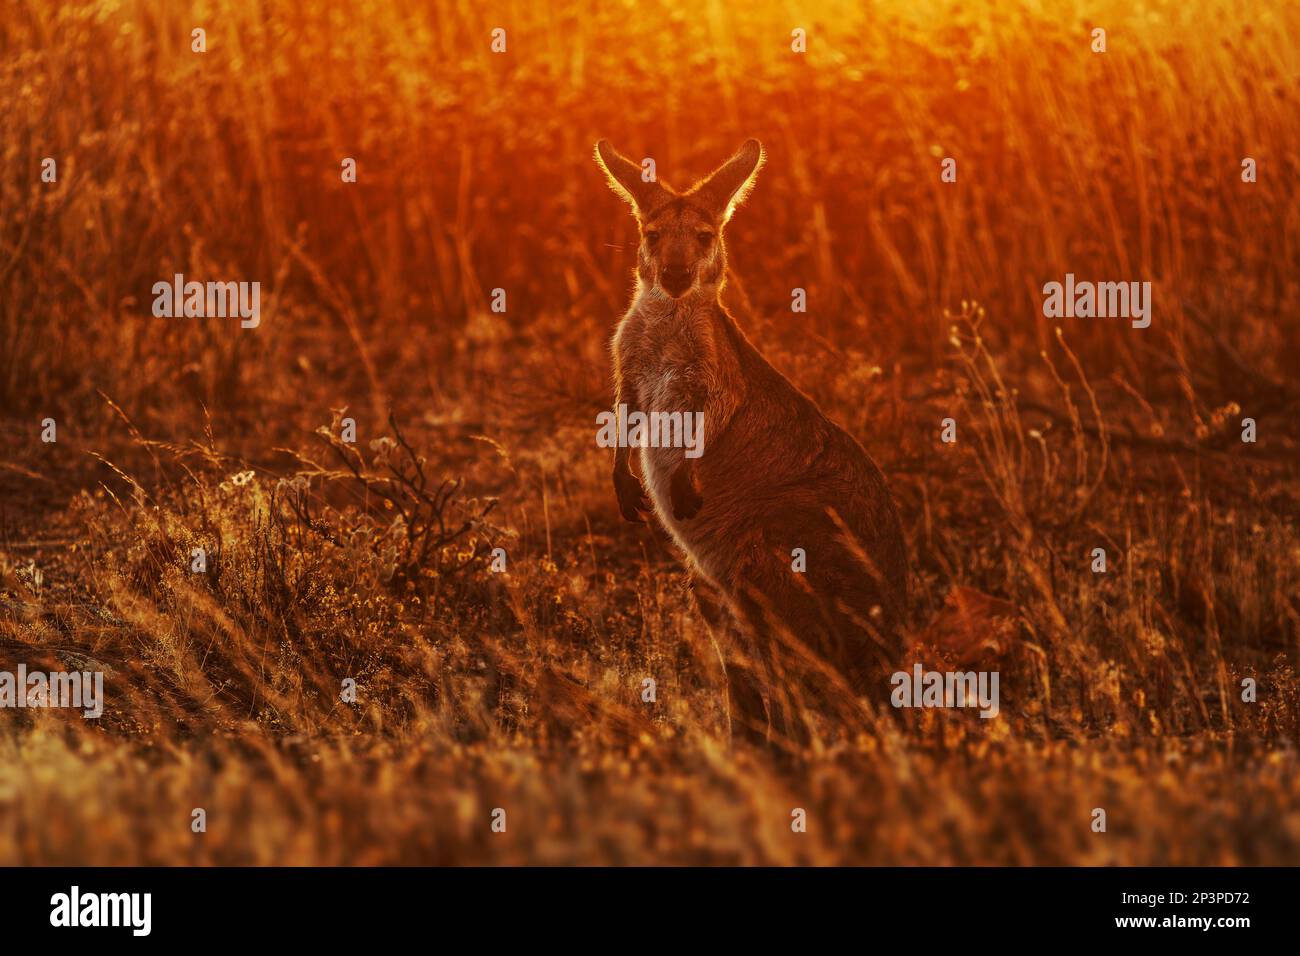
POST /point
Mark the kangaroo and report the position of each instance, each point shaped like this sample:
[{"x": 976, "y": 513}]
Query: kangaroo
[{"x": 775, "y": 474}]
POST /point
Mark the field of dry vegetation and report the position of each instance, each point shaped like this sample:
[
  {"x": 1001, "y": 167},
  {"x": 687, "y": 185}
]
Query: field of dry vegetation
[{"x": 522, "y": 691}]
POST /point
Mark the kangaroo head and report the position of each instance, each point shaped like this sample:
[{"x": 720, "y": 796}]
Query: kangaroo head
[{"x": 681, "y": 233}]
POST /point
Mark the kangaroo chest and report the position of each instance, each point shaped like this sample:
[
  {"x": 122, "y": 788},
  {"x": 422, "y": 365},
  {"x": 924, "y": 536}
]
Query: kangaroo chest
[{"x": 672, "y": 362}]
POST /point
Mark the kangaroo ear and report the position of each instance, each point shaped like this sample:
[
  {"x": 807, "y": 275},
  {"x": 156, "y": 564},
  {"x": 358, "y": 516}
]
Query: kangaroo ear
[
  {"x": 625, "y": 179},
  {"x": 731, "y": 182}
]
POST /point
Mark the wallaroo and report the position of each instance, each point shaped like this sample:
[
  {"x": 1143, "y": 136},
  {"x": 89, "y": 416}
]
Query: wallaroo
[{"x": 787, "y": 526}]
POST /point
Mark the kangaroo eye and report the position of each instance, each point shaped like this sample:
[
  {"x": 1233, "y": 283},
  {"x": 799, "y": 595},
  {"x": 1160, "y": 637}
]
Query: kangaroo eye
[
  {"x": 705, "y": 237},
  {"x": 653, "y": 235}
]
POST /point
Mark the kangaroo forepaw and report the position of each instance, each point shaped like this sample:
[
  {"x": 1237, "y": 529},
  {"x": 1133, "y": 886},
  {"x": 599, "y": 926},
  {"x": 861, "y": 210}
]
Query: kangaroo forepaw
[
  {"x": 685, "y": 499},
  {"x": 632, "y": 503}
]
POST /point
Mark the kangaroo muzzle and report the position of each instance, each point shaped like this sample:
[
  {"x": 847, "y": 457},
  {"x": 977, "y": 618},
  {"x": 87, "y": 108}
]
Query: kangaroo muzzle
[{"x": 675, "y": 280}]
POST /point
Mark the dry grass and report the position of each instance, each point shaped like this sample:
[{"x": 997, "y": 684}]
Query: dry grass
[{"x": 522, "y": 690}]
